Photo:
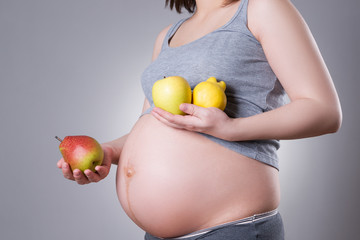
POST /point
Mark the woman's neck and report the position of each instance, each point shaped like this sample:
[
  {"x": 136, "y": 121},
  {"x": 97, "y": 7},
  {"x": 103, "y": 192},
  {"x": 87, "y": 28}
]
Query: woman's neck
[{"x": 205, "y": 7}]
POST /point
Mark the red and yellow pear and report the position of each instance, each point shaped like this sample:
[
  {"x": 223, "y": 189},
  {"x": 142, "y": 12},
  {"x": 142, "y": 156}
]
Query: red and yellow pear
[{"x": 81, "y": 152}]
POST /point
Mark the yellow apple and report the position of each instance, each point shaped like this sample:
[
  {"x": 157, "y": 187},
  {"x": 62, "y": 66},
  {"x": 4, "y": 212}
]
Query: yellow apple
[
  {"x": 210, "y": 93},
  {"x": 170, "y": 92}
]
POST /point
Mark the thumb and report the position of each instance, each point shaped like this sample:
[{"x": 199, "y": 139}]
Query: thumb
[
  {"x": 191, "y": 109},
  {"x": 108, "y": 155}
]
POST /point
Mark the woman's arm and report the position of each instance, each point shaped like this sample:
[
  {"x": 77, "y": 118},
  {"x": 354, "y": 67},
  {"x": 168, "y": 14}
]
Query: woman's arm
[
  {"x": 112, "y": 149},
  {"x": 296, "y": 60},
  {"x": 117, "y": 144}
]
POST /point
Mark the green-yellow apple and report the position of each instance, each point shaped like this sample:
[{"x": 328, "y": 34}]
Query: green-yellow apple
[
  {"x": 81, "y": 152},
  {"x": 170, "y": 92}
]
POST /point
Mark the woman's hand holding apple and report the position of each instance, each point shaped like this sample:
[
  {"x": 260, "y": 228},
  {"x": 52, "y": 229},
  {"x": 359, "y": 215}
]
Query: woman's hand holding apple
[
  {"x": 212, "y": 121},
  {"x": 88, "y": 176},
  {"x": 172, "y": 97}
]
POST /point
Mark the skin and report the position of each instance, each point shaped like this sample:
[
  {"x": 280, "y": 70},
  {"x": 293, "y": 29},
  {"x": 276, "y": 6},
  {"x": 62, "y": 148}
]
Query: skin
[
  {"x": 294, "y": 57},
  {"x": 314, "y": 109}
]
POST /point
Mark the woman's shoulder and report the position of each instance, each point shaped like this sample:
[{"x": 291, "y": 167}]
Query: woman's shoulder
[
  {"x": 163, "y": 33},
  {"x": 263, "y": 15},
  {"x": 159, "y": 41}
]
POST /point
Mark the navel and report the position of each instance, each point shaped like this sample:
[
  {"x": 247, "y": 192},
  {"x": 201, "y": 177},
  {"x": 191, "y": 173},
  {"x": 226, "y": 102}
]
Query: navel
[{"x": 129, "y": 171}]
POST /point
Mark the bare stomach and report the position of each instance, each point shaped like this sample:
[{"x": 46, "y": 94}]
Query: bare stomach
[{"x": 172, "y": 182}]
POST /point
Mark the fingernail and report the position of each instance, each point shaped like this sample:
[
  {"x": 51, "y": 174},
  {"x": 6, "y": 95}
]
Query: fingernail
[
  {"x": 65, "y": 166},
  {"x": 183, "y": 107},
  {"x": 76, "y": 173}
]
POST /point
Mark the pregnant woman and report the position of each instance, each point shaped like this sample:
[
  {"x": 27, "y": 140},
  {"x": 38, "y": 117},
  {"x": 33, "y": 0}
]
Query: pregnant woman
[{"x": 214, "y": 174}]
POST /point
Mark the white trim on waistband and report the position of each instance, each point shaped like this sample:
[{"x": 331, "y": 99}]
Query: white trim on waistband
[{"x": 254, "y": 218}]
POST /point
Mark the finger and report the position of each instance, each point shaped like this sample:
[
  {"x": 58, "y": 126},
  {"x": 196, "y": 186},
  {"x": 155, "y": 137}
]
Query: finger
[
  {"x": 80, "y": 178},
  {"x": 102, "y": 171},
  {"x": 166, "y": 116},
  {"x": 192, "y": 109},
  {"x": 189, "y": 122},
  {"x": 162, "y": 113},
  {"x": 167, "y": 120},
  {"x": 59, "y": 163},
  {"x": 91, "y": 176},
  {"x": 107, "y": 157},
  {"x": 67, "y": 171}
]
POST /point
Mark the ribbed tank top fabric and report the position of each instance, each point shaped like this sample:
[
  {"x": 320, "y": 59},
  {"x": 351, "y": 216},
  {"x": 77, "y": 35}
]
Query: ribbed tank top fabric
[{"x": 231, "y": 54}]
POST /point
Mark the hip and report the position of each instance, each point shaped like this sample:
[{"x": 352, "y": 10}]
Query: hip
[{"x": 268, "y": 225}]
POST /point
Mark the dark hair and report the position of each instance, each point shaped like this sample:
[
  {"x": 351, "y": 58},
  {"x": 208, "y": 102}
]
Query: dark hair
[{"x": 189, "y": 5}]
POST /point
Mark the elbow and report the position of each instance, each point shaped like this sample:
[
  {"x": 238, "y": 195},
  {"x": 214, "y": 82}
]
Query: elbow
[
  {"x": 335, "y": 120},
  {"x": 337, "y": 124}
]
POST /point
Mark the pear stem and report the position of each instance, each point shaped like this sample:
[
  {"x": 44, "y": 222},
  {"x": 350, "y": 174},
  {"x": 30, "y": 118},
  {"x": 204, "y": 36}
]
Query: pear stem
[{"x": 58, "y": 138}]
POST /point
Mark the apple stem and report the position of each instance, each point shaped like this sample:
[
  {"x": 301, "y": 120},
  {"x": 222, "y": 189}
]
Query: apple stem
[{"x": 58, "y": 138}]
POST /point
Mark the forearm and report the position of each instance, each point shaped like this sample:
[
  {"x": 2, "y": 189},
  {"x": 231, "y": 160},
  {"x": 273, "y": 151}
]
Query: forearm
[
  {"x": 299, "y": 119},
  {"x": 116, "y": 148}
]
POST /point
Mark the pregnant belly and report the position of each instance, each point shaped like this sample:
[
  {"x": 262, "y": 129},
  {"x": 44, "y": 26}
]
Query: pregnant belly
[{"x": 172, "y": 182}]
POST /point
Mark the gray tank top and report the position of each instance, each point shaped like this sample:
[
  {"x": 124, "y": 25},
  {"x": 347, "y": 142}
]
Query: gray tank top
[{"x": 233, "y": 55}]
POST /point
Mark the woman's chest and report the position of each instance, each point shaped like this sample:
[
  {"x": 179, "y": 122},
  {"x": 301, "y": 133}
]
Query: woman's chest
[{"x": 220, "y": 54}]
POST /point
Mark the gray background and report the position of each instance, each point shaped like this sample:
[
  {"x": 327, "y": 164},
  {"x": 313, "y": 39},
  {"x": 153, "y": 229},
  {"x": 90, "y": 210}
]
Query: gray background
[{"x": 73, "y": 66}]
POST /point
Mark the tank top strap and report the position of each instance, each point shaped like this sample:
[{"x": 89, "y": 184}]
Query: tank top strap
[
  {"x": 239, "y": 20},
  {"x": 171, "y": 32},
  {"x": 243, "y": 11}
]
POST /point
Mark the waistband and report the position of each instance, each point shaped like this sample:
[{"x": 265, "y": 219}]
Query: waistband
[{"x": 254, "y": 218}]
